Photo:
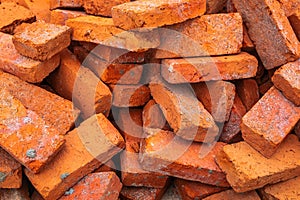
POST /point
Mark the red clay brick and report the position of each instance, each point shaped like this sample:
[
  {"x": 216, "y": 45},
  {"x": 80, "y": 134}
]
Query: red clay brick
[
  {"x": 201, "y": 69},
  {"x": 62, "y": 114},
  {"x": 25, "y": 68},
  {"x": 19, "y": 2},
  {"x": 80, "y": 156},
  {"x": 40, "y": 8},
  {"x": 215, "y": 6},
  {"x": 60, "y": 17},
  {"x": 66, "y": 3},
  {"x": 247, "y": 42},
  {"x": 153, "y": 116},
  {"x": 103, "y": 185},
  {"x": 163, "y": 152},
  {"x": 287, "y": 80},
  {"x": 263, "y": 88},
  {"x": 230, "y": 194},
  {"x": 151, "y": 69},
  {"x": 260, "y": 18},
  {"x": 295, "y": 22},
  {"x": 248, "y": 91},
  {"x": 269, "y": 121},
  {"x": 101, "y": 7},
  {"x": 290, "y": 6},
  {"x": 156, "y": 13},
  {"x": 106, "y": 167},
  {"x": 142, "y": 193},
  {"x": 15, "y": 194},
  {"x": 248, "y": 169}
]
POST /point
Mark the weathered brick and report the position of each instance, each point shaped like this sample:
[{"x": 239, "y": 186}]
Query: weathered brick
[
  {"x": 269, "y": 121},
  {"x": 200, "y": 69},
  {"x": 165, "y": 153},
  {"x": 156, "y": 13},
  {"x": 248, "y": 169},
  {"x": 60, "y": 17},
  {"x": 66, "y": 4},
  {"x": 142, "y": 193},
  {"x": 295, "y": 22},
  {"x": 25, "y": 68},
  {"x": 101, "y": 7},
  {"x": 19, "y": 2},
  {"x": 287, "y": 80},
  {"x": 248, "y": 91},
  {"x": 230, "y": 194},
  {"x": 40, "y": 8},
  {"x": 260, "y": 18},
  {"x": 153, "y": 116},
  {"x": 289, "y": 6},
  {"x": 247, "y": 42},
  {"x": 80, "y": 156}
]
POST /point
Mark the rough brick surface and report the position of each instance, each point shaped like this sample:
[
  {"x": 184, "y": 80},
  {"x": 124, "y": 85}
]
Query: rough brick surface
[
  {"x": 185, "y": 114},
  {"x": 295, "y": 22},
  {"x": 249, "y": 170},
  {"x": 215, "y": 6},
  {"x": 107, "y": 167},
  {"x": 152, "y": 14},
  {"x": 200, "y": 69},
  {"x": 248, "y": 91},
  {"x": 101, "y": 7},
  {"x": 66, "y": 4},
  {"x": 60, "y": 17},
  {"x": 287, "y": 80},
  {"x": 142, "y": 193},
  {"x": 164, "y": 152},
  {"x": 25, "y": 68},
  {"x": 269, "y": 121},
  {"x": 261, "y": 17},
  {"x": 230, "y": 194},
  {"x": 289, "y": 6},
  {"x": 19, "y": 2},
  {"x": 94, "y": 142},
  {"x": 153, "y": 116}
]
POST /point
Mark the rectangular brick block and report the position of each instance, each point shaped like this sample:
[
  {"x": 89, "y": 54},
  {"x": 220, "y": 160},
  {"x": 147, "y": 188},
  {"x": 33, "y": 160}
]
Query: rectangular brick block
[
  {"x": 260, "y": 18},
  {"x": 66, "y": 4},
  {"x": 60, "y": 17},
  {"x": 25, "y": 68},
  {"x": 64, "y": 116},
  {"x": 248, "y": 169},
  {"x": 165, "y": 153},
  {"x": 269, "y": 121},
  {"x": 94, "y": 142},
  {"x": 194, "y": 70},
  {"x": 153, "y": 116},
  {"x": 230, "y": 194},
  {"x": 248, "y": 91},
  {"x": 295, "y": 22},
  {"x": 101, "y": 7},
  {"x": 142, "y": 193},
  {"x": 156, "y": 13},
  {"x": 214, "y": 34}
]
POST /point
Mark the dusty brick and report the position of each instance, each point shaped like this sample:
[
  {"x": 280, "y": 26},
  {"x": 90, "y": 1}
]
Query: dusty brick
[
  {"x": 10, "y": 171},
  {"x": 261, "y": 17},
  {"x": 215, "y": 6},
  {"x": 269, "y": 121},
  {"x": 200, "y": 69},
  {"x": 230, "y": 194},
  {"x": 62, "y": 114},
  {"x": 157, "y": 13},
  {"x": 40, "y": 40},
  {"x": 217, "y": 98},
  {"x": 66, "y": 4},
  {"x": 165, "y": 153},
  {"x": 60, "y": 17},
  {"x": 287, "y": 80},
  {"x": 190, "y": 190},
  {"x": 102, "y": 30},
  {"x": 103, "y": 185},
  {"x": 107, "y": 167},
  {"x": 249, "y": 170},
  {"x": 80, "y": 85},
  {"x": 215, "y": 34},
  {"x": 80, "y": 156},
  {"x": 101, "y": 7},
  {"x": 153, "y": 116},
  {"x": 25, "y": 68},
  {"x": 142, "y": 193},
  {"x": 248, "y": 91},
  {"x": 295, "y": 22}
]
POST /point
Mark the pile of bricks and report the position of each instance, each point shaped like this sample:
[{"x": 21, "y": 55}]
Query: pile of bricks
[{"x": 124, "y": 99}]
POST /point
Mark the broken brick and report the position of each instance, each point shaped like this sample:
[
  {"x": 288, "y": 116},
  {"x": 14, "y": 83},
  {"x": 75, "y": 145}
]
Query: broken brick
[
  {"x": 230, "y": 194},
  {"x": 101, "y": 7},
  {"x": 66, "y": 3},
  {"x": 153, "y": 116},
  {"x": 248, "y": 91},
  {"x": 289, "y": 6},
  {"x": 60, "y": 17}
]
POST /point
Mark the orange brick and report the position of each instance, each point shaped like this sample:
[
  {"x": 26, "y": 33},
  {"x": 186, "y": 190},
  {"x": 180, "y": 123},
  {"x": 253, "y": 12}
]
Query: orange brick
[
  {"x": 247, "y": 42},
  {"x": 214, "y": 34},
  {"x": 156, "y": 13},
  {"x": 19, "y": 2},
  {"x": 40, "y": 8},
  {"x": 290, "y": 6},
  {"x": 56, "y": 111},
  {"x": 269, "y": 121},
  {"x": 25, "y": 68},
  {"x": 151, "y": 69},
  {"x": 248, "y": 91},
  {"x": 142, "y": 193},
  {"x": 230, "y": 194},
  {"x": 248, "y": 169},
  {"x": 200, "y": 69},
  {"x": 66, "y": 4},
  {"x": 215, "y": 6},
  {"x": 60, "y": 17},
  {"x": 153, "y": 116},
  {"x": 287, "y": 80},
  {"x": 103, "y": 185},
  {"x": 217, "y": 97},
  {"x": 80, "y": 156},
  {"x": 101, "y": 7},
  {"x": 81, "y": 53},
  {"x": 107, "y": 167},
  {"x": 262, "y": 18},
  {"x": 295, "y": 22},
  {"x": 10, "y": 171},
  {"x": 163, "y": 152},
  {"x": 185, "y": 114}
]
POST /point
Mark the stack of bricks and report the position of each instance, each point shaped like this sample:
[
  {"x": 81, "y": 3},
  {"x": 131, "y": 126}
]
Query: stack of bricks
[{"x": 129, "y": 99}]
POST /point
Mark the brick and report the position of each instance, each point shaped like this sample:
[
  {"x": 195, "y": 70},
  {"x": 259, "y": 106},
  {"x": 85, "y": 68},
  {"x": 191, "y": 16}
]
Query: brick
[
  {"x": 269, "y": 121},
  {"x": 249, "y": 170},
  {"x": 40, "y": 8},
  {"x": 102, "y": 30},
  {"x": 106, "y": 167},
  {"x": 248, "y": 91},
  {"x": 80, "y": 156},
  {"x": 14, "y": 15},
  {"x": 62, "y": 115},
  {"x": 263, "y": 88},
  {"x": 10, "y": 171},
  {"x": 153, "y": 116},
  {"x": 215, "y": 6},
  {"x": 18, "y": 2},
  {"x": 66, "y": 4},
  {"x": 25, "y": 68},
  {"x": 81, "y": 53},
  {"x": 194, "y": 70},
  {"x": 101, "y": 7},
  {"x": 152, "y": 14},
  {"x": 163, "y": 152},
  {"x": 40, "y": 40},
  {"x": 247, "y": 42},
  {"x": 295, "y": 22},
  {"x": 103, "y": 185},
  {"x": 284, "y": 190},
  {"x": 217, "y": 98},
  {"x": 287, "y": 80},
  {"x": 261, "y": 17},
  {"x": 230, "y": 194},
  {"x": 190, "y": 190},
  {"x": 60, "y": 17},
  {"x": 130, "y": 95},
  {"x": 21, "y": 193},
  {"x": 289, "y": 6},
  {"x": 142, "y": 193},
  {"x": 80, "y": 85},
  {"x": 34, "y": 143},
  {"x": 151, "y": 69},
  {"x": 214, "y": 34},
  {"x": 297, "y": 129}
]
